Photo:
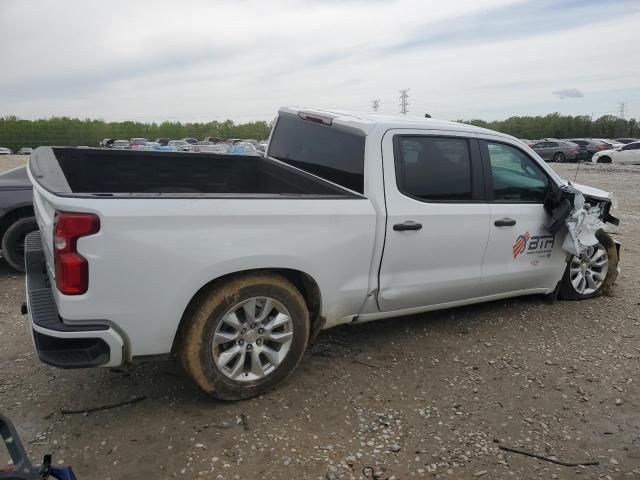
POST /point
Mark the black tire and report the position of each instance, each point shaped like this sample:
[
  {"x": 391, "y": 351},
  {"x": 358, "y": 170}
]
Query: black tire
[
  {"x": 604, "y": 159},
  {"x": 567, "y": 290},
  {"x": 559, "y": 157},
  {"x": 13, "y": 241},
  {"x": 206, "y": 312}
]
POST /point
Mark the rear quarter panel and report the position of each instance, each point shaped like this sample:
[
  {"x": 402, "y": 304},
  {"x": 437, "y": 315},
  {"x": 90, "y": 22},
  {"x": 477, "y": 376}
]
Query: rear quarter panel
[{"x": 152, "y": 255}]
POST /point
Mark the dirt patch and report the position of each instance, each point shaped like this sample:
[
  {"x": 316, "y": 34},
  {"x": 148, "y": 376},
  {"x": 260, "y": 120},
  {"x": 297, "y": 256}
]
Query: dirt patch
[{"x": 426, "y": 396}]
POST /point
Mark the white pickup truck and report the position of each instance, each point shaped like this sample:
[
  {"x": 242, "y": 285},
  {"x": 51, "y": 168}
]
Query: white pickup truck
[{"x": 235, "y": 262}]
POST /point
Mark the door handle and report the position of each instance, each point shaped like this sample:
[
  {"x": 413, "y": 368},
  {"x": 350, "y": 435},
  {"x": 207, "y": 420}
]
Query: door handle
[
  {"x": 505, "y": 222},
  {"x": 408, "y": 225}
]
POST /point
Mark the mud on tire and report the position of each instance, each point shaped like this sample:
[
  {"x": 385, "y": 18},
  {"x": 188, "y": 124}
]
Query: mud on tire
[
  {"x": 203, "y": 319},
  {"x": 568, "y": 291}
]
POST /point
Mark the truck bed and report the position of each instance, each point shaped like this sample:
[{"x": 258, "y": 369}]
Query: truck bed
[{"x": 81, "y": 172}]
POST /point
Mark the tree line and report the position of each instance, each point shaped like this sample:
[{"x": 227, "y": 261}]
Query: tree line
[
  {"x": 16, "y": 133},
  {"x": 556, "y": 125}
]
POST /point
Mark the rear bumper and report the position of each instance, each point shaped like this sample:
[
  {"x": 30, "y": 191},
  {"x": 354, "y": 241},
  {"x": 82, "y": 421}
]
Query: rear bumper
[{"x": 63, "y": 344}]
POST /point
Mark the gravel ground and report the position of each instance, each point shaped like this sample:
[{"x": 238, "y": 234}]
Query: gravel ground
[
  {"x": 8, "y": 162},
  {"x": 427, "y": 396}
]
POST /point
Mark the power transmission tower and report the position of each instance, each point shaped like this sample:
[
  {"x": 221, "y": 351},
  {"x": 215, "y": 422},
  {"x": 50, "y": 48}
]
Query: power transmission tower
[
  {"x": 404, "y": 97},
  {"x": 375, "y": 104},
  {"x": 622, "y": 108}
]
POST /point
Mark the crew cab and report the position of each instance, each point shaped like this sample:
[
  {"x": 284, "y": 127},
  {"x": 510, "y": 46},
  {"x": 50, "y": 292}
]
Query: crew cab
[{"x": 236, "y": 262}]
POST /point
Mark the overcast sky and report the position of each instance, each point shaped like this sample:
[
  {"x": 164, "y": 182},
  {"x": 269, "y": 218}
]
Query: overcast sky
[{"x": 199, "y": 60}]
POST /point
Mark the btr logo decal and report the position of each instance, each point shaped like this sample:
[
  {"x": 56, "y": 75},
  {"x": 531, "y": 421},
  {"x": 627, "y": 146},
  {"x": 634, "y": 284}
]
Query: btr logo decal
[
  {"x": 520, "y": 245},
  {"x": 533, "y": 245}
]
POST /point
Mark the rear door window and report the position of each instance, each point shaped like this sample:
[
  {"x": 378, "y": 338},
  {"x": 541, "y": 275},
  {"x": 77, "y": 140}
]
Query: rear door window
[
  {"x": 326, "y": 151},
  {"x": 434, "y": 168}
]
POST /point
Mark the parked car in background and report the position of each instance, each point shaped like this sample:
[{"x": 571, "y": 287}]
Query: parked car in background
[
  {"x": 591, "y": 144},
  {"x": 611, "y": 143},
  {"x": 233, "y": 141},
  {"x": 149, "y": 146},
  {"x": 137, "y": 142},
  {"x": 626, "y": 140},
  {"x": 120, "y": 144},
  {"x": 163, "y": 141},
  {"x": 5, "y": 151},
  {"x": 107, "y": 142},
  {"x": 16, "y": 215},
  {"x": 180, "y": 145},
  {"x": 159, "y": 147},
  {"x": 627, "y": 154},
  {"x": 558, "y": 151},
  {"x": 190, "y": 140},
  {"x": 25, "y": 151},
  {"x": 213, "y": 139},
  {"x": 244, "y": 148},
  {"x": 210, "y": 147}
]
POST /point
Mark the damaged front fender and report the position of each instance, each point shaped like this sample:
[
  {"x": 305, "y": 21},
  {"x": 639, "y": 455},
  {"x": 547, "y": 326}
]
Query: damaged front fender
[{"x": 583, "y": 210}]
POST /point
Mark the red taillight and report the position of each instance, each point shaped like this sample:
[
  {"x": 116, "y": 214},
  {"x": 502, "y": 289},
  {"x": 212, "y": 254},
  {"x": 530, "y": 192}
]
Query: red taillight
[{"x": 72, "y": 269}]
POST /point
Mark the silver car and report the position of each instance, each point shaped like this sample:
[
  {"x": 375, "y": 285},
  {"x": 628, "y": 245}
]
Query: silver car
[{"x": 557, "y": 150}]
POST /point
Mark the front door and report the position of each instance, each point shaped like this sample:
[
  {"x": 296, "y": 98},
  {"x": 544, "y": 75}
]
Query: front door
[
  {"x": 522, "y": 254},
  {"x": 437, "y": 221}
]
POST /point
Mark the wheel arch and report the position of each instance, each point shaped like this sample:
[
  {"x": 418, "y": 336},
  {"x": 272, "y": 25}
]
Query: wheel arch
[
  {"x": 13, "y": 215},
  {"x": 304, "y": 282}
]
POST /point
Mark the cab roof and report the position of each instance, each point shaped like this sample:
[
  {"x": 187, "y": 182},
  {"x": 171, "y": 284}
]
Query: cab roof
[{"x": 366, "y": 121}]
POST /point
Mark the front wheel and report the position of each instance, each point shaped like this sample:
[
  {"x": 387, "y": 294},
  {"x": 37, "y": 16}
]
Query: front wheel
[
  {"x": 558, "y": 157},
  {"x": 594, "y": 274},
  {"x": 245, "y": 336}
]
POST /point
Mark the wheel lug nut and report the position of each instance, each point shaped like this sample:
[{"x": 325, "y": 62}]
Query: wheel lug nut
[
  {"x": 259, "y": 341},
  {"x": 243, "y": 331},
  {"x": 260, "y": 331},
  {"x": 253, "y": 325},
  {"x": 241, "y": 342},
  {"x": 249, "y": 347}
]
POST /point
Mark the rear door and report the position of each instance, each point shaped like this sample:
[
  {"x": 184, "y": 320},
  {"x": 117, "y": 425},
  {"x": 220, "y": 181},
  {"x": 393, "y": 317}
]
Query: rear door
[
  {"x": 522, "y": 254},
  {"x": 437, "y": 221}
]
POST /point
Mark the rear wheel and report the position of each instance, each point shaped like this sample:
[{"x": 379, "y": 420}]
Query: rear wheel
[
  {"x": 244, "y": 337},
  {"x": 13, "y": 242},
  {"x": 592, "y": 275},
  {"x": 558, "y": 157},
  {"x": 604, "y": 159}
]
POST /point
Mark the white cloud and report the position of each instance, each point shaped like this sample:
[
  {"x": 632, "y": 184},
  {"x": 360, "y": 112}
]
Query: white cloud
[
  {"x": 199, "y": 60},
  {"x": 568, "y": 93}
]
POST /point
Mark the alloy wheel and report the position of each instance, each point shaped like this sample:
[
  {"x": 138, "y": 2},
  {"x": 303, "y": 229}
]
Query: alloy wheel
[
  {"x": 587, "y": 274},
  {"x": 252, "y": 339}
]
